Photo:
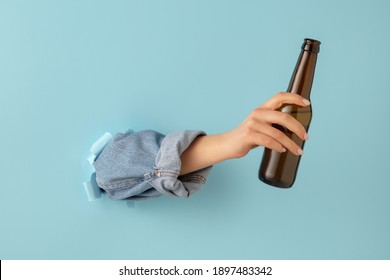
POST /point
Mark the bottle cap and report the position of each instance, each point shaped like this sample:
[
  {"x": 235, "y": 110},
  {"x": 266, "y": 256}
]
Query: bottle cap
[{"x": 311, "y": 45}]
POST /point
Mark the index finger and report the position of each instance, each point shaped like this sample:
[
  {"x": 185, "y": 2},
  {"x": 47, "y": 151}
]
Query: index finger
[{"x": 282, "y": 98}]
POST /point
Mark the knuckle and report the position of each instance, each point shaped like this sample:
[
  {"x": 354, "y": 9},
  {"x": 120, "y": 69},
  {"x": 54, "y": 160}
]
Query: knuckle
[
  {"x": 278, "y": 134},
  {"x": 249, "y": 124},
  {"x": 285, "y": 117},
  {"x": 283, "y": 95},
  {"x": 270, "y": 142},
  {"x": 265, "y": 141},
  {"x": 247, "y": 132},
  {"x": 254, "y": 113}
]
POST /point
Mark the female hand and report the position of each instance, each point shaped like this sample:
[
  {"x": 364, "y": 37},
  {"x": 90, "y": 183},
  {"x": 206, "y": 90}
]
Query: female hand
[{"x": 256, "y": 130}]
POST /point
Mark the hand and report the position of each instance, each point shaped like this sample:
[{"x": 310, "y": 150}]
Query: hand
[{"x": 257, "y": 130}]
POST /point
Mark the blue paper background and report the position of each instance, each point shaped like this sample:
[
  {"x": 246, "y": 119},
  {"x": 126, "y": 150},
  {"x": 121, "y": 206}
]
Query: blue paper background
[{"x": 71, "y": 70}]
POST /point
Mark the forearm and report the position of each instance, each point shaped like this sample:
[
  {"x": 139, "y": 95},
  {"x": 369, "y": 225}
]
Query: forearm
[{"x": 205, "y": 151}]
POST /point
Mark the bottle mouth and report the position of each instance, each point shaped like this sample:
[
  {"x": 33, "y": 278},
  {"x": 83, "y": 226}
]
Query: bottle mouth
[{"x": 311, "y": 45}]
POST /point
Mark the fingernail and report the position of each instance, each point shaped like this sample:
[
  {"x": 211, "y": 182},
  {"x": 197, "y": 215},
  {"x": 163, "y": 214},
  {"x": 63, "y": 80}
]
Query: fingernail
[
  {"x": 284, "y": 150},
  {"x": 306, "y": 136},
  {"x": 300, "y": 151},
  {"x": 307, "y": 102}
]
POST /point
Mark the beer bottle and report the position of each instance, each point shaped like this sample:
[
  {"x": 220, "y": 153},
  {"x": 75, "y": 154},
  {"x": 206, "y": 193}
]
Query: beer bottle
[{"x": 280, "y": 169}]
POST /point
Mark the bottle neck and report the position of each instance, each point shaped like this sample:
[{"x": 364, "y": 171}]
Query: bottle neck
[{"x": 302, "y": 78}]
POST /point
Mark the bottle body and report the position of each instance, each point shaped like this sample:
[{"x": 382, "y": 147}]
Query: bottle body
[{"x": 280, "y": 169}]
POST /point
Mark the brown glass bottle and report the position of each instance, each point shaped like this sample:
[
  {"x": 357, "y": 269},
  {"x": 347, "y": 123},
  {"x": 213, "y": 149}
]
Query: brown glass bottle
[{"x": 280, "y": 169}]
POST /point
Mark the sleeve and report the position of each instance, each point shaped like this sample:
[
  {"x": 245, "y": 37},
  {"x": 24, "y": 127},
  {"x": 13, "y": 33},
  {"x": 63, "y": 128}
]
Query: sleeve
[{"x": 147, "y": 164}]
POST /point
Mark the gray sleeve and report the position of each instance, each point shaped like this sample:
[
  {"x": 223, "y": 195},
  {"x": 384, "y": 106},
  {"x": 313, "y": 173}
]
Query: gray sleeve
[{"x": 147, "y": 164}]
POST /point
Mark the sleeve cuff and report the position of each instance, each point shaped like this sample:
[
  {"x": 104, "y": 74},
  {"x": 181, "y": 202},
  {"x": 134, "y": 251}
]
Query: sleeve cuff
[
  {"x": 147, "y": 164},
  {"x": 168, "y": 164}
]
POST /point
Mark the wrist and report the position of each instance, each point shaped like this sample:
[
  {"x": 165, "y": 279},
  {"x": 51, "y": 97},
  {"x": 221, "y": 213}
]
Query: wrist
[{"x": 226, "y": 146}]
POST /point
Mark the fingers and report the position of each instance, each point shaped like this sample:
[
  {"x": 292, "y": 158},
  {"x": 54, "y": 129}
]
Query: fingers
[
  {"x": 279, "y": 138},
  {"x": 260, "y": 121},
  {"x": 283, "y": 119},
  {"x": 260, "y": 127},
  {"x": 267, "y": 141},
  {"x": 282, "y": 98}
]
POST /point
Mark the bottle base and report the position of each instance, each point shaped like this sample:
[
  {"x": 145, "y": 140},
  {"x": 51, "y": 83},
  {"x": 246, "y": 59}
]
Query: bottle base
[{"x": 276, "y": 183}]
